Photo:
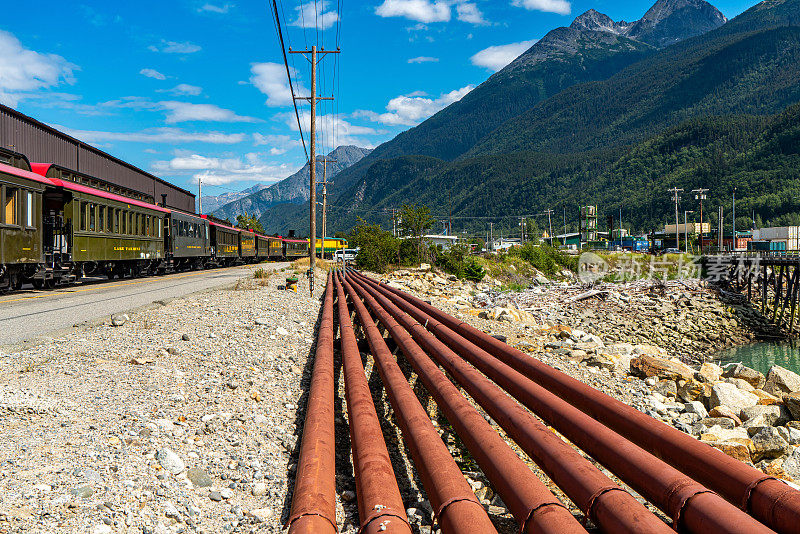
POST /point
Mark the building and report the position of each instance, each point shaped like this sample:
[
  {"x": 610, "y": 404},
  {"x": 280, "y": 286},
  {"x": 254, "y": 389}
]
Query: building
[
  {"x": 445, "y": 241},
  {"x": 776, "y": 238},
  {"x": 505, "y": 243},
  {"x": 74, "y": 158},
  {"x": 588, "y": 224}
]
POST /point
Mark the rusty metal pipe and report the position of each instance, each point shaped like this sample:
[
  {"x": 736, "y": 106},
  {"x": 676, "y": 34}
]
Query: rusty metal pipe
[
  {"x": 769, "y": 500},
  {"x": 691, "y": 505},
  {"x": 314, "y": 499},
  {"x": 601, "y": 500},
  {"x": 534, "y": 507},
  {"x": 458, "y": 510},
  {"x": 380, "y": 506}
]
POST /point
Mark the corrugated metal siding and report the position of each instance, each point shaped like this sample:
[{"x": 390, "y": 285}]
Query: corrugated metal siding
[{"x": 41, "y": 144}]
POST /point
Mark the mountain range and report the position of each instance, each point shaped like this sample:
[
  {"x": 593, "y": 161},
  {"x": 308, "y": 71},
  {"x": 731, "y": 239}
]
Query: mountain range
[
  {"x": 290, "y": 191},
  {"x": 604, "y": 106}
]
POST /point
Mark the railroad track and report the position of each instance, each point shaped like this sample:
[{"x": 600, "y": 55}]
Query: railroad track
[{"x": 700, "y": 489}]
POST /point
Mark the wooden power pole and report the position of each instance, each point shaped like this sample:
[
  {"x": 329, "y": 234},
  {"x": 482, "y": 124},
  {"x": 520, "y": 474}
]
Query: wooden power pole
[
  {"x": 312, "y": 158},
  {"x": 676, "y": 197},
  {"x": 324, "y": 183}
]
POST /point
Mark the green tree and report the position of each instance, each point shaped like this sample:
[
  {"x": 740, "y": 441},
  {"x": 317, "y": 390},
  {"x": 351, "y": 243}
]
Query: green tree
[
  {"x": 414, "y": 221},
  {"x": 249, "y": 222},
  {"x": 378, "y": 248}
]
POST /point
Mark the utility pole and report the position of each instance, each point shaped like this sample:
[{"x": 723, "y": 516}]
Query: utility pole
[
  {"x": 686, "y": 230},
  {"x": 719, "y": 231},
  {"x": 676, "y": 197},
  {"x": 324, "y": 183},
  {"x": 734, "y": 218},
  {"x": 549, "y": 212},
  {"x": 200, "y": 193},
  {"x": 700, "y": 194},
  {"x": 491, "y": 236},
  {"x": 565, "y": 225},
  {"x": 312, "y": 159}
]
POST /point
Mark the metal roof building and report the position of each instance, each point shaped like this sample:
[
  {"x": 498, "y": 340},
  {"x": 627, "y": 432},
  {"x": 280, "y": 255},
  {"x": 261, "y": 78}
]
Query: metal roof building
[{"x": 44, "y": 144}]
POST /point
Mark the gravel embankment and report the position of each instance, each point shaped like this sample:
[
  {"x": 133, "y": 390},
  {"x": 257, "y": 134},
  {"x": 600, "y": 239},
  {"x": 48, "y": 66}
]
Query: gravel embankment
[{"x": 181, "y": 419}]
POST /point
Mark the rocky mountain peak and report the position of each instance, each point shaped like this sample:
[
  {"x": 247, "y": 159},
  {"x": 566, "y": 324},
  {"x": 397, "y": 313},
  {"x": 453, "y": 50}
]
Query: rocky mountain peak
[
  {"x": 593, "y": 20},
  {"x": 671, "y": 21}
]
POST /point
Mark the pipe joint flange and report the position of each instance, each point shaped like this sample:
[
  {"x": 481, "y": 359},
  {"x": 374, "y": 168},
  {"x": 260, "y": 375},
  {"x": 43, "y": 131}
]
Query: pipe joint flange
[
  {"x": 382, "y": 511},
  {"x": 676, "y": 519},
  {"x": 442, "y": 507},
  {"x": 302, "y": 514},
  {"x": 589, "y": 512},
  {"x": 748, "y": 492},
  {"x": 524, "y": 525}
]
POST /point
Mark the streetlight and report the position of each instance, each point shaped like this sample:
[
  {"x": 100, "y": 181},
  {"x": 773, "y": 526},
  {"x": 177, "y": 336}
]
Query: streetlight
[{"x": 686, "y": 229}]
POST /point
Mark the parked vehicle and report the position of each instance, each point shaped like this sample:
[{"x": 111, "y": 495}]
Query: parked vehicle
[{"x": 345, "y": 255}]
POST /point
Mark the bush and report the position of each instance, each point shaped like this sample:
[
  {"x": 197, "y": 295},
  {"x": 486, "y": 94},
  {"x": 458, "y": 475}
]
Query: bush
[
  {"x": 457, "y": 261},
  {"x": 545, "y": 258},
  {"x": 377, "y": 248}
]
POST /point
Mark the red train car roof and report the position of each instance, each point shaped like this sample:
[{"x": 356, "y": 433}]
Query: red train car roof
[
  {"x": 42, "y": 168},
  {"x": 33, "y": 176}
]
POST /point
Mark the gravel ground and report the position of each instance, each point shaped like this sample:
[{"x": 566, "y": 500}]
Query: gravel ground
[{"x": 181, "y": 419}]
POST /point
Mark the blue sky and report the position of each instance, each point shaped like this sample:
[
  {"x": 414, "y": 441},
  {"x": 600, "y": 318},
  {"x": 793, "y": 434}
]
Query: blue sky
[{"x": 194, "y": 89}]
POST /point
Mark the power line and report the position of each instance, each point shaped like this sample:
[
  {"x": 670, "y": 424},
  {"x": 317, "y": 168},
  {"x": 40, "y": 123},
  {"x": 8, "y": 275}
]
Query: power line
[{"x": 289, "y": 75}]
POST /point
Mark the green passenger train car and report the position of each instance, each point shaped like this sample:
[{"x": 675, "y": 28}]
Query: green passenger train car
[{"x": 21, "y": 229}]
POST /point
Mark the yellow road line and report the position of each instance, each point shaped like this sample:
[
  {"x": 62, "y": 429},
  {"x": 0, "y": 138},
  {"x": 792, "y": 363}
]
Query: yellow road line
[{"x": 104, "y": 286}]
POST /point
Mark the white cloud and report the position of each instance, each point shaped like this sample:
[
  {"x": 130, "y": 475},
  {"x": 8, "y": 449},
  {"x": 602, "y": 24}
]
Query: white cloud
[
  {"x": 496, "y": 57},
  {"x": 423, "y": 59},
  {"x": 184, "y": 111},
  {"x": 154, "y": 135},
  {"x": 221, "y": 171},
  {"x": 333, "y": 131},
  {"x": 562, "y": 7},
  {"x": 419, "y": 10},
  {"x": 279, "y": 144},
  {"x": 173, "y": 47},
  {"x": 23, "y": 70},
  {"x": 270, "y": 79},
  {"x": 408, "y": 110},
  {"x": 469, "y": 12},
  {"x": 152, "y": 73},
  {"x": 211, "y": 8},
  {"x": 308, "y": 17},
  {"x": 183, "y": 89}
]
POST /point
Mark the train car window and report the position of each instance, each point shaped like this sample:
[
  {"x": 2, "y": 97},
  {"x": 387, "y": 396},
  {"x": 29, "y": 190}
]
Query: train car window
[
  {"x": 207, "y": 233},
  {"x": 10, "y": 203},
  {"x": 29, "y": 209},
  {"x": 158, "y": 222},
  {"x": 83, "y": 209},
  {"x": 148, "y": 226},
  {"x": 92, "y": 216},
  {"x": 116, "y": 221},
  {"x": 101, "y": 218}
]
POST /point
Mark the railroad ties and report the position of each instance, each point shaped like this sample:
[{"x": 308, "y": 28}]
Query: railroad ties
[
  {"x": 770, "y": 281},
  {"x": 696, "y": 487}
]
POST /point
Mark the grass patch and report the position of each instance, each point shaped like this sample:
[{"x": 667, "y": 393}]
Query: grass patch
[{"x": 303, "y": 263}]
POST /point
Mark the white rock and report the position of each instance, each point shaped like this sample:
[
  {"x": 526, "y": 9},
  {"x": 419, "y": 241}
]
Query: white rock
[
  {"x": 170, "y": 461},
  {"x": 725, "y": 394},
  {"x": 259, "y": 489},
  {"x": 281, "y": 331},
  {"x": 261, "y": 515}
]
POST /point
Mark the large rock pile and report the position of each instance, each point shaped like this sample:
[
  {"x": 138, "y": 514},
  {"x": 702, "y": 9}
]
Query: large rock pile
[{"x": 736, "y": 409}]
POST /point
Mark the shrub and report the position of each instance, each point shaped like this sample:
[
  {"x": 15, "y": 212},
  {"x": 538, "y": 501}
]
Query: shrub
[
  {"x": 545, "y": 258},
  {"x": 378, "y": 248},
  {"x": 457, "y": 261}
]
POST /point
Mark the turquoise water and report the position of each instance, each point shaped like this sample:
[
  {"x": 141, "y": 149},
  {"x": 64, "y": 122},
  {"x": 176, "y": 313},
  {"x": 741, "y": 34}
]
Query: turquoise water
[{"x": 762, "y": 356}]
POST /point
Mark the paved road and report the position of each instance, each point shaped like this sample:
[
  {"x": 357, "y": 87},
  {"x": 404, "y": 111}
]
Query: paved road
[{"x": 28, "y": 314}]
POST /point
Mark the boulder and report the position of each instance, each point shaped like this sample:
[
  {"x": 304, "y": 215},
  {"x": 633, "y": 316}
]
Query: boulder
[
  {"x": 693, "y": 390},
  {"x": 710, "y": 372},
  {"x": 781, "y": 381},
  {"x": 696, "y": 407},
  {"x": 722, "y": 422},
  {"x": 724, "y": 394},
  {"x": 741, "y": 384},
  {"x": 790, "y": 434},
  {"x": 717, "y": 433},
  {"x": 602, "y": 361},
  {"x": 724, "y": 411},
  {"x": 765, "y": 398},
  {"x": 791, "y": 466},
  {"x": 667, "y": 388},
  {"x": 770, "y": 415},
  {"x": 792, "y": 403},
  {"x": 738, "y": 370},
  {"x": 768, "y": 444},
  {"x": 734, "y": 449},
  {"x": 648, "y": 349},
  {"x": 647, "y": 365}
]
